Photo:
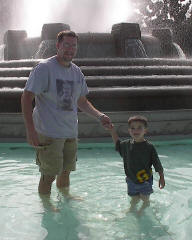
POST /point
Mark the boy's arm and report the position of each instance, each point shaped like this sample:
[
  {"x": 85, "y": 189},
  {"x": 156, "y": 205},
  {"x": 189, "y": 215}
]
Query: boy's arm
[
  {"x": 161, "y": 180},
  {"x": 113, "y": 133},
  {"x": 158, "y": 167},
  {"x": 116, "y": 140}
]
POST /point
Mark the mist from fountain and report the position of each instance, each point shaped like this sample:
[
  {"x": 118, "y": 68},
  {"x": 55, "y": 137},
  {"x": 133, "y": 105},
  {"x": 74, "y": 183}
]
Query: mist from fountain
[
  {"x": 134, "y": 48},
  {"x": 179, "y": 51},
  {"x": 81, "y": 15},
  {"x": 2, "y": 48}
]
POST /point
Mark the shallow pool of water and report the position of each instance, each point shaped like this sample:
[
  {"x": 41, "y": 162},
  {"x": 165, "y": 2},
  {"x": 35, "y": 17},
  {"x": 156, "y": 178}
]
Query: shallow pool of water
[{"x": 100, "y": 181}]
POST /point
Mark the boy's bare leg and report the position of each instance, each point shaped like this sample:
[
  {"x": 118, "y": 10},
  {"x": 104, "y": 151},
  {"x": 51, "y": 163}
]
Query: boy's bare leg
[
  {"x": 133, "y": 202},
  {"x": 146, "y": 203}
]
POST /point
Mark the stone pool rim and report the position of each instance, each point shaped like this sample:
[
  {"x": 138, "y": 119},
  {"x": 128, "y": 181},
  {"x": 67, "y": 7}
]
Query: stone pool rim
[{"x": 163, "y": 125}]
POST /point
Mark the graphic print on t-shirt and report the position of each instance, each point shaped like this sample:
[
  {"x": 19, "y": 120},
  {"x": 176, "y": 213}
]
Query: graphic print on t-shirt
[{"x": 64, "y": 94}]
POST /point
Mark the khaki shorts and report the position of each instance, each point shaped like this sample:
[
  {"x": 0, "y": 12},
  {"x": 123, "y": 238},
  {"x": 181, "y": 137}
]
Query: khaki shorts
[{"x": 55, "y": 155}]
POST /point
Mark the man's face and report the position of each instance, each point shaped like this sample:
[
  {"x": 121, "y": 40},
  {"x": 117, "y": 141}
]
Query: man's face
[
  {"x": 67, "y": 48},
  {"x": 137, "y": 130}
]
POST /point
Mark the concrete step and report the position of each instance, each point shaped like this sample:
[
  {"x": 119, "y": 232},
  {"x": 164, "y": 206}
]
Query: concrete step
[
  {"x": 12, "y": 82},
  {"x": 117, "y": 91},
  {"x": 110, "y": 71},
  {"x": 105, "y": 62},
  {"x": 19, "y": 63},
  {"x": 150, "y": 80},
  {"x": 15, "y": 72},
  {"x": 137, "y": 70},
  {"x": 169, "y": 124},
  {"x": 141, "y": 98},
  {"x": 139, "y": 91},
  {"x": 132, "y": 62},
  {"x": 110, "y": 81},
  {"x": 118, "y": 98}
]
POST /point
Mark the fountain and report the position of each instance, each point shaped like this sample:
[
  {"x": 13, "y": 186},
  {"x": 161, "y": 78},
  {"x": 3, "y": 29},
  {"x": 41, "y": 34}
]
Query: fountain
[
  {"x": 2, "y": 49},
  {"x": 126, "y": 72}
]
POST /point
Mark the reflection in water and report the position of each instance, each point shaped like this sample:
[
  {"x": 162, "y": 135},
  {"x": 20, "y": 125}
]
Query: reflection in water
[
  {"x": 61, "y": 225},
  {"x": 60, "y": 218},
  {"x": 146, "y": 226}
]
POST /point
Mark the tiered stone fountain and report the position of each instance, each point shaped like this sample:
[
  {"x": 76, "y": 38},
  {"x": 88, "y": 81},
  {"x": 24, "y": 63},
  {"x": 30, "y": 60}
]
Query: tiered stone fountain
[{"x": 126, "y": 74}]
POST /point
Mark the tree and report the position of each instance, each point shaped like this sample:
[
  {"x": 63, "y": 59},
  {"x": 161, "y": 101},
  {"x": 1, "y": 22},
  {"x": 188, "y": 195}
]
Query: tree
[
  {"x": 162, "y": 13},
  {"x": 173, "y": 14}
]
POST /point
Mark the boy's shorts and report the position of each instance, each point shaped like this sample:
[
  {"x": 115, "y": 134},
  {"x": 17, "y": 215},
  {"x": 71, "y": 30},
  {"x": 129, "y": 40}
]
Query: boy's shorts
[
  {"x": 56, "y": 154},
  {"x": 134, "y": 189}
]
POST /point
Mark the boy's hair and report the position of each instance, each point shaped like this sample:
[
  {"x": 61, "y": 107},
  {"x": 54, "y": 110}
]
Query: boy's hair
[
  {"x": 66, "y": 33},
  {"x": 138, "y": 118}
]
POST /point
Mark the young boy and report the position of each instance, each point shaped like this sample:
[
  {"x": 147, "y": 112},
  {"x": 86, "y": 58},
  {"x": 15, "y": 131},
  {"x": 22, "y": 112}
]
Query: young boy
[{"x": 138, "y": 156}]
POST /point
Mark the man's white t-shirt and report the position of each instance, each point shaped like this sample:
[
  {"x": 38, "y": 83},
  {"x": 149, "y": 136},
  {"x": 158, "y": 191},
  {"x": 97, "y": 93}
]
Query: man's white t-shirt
[{"x": 57, "y": 90}]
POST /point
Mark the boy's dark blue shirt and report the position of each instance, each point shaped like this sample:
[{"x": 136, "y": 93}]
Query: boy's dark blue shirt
[{"x": 138, "y": 158}]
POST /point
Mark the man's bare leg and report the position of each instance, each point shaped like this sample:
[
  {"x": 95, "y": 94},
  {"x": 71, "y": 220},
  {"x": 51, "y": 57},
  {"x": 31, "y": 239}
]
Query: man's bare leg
[
  {"x": 45, "y": 184},
  {"x": 47, "y": 204},
  {"x": 44, "y": 189},
  {"x": 63, "y": 183},
  {"x": 63, "y": 180}
]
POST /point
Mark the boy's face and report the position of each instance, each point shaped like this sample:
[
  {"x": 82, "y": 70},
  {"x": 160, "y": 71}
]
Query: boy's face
[{"x": 137, "y": 130}]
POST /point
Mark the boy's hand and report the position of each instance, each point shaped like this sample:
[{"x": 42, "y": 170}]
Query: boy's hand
[
  {"x": 161, "y": 182},
  {"x": 105, "y": 121},
  {"x": 109, "y": 127}
]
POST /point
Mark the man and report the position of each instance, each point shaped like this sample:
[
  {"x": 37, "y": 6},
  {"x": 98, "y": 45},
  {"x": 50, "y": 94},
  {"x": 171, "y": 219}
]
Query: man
[{"x": 59, "y": 88}]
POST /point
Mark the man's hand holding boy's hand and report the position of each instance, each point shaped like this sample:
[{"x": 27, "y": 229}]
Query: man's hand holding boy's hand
[
  {"x": 109, "y": 127},
  {"x": 105, "y": 120}
]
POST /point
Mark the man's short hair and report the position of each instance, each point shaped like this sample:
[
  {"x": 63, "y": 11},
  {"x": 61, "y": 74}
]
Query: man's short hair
[
  {"x": 138, "y": 118},
  {"x": 66, "y": 33}
]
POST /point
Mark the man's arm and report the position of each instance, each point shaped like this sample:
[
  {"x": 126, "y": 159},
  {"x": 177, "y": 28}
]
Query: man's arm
[
  {"x": 85, "y": 106},
  {"x": 27, "y": 109}
]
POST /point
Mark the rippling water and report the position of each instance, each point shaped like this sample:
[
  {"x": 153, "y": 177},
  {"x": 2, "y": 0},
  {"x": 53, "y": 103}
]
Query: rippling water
[{"x": 100, "y": 181}]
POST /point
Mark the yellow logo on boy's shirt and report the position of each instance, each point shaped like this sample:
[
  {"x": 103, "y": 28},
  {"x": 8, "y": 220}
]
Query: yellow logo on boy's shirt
[{"x": 142, "y": 176}]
